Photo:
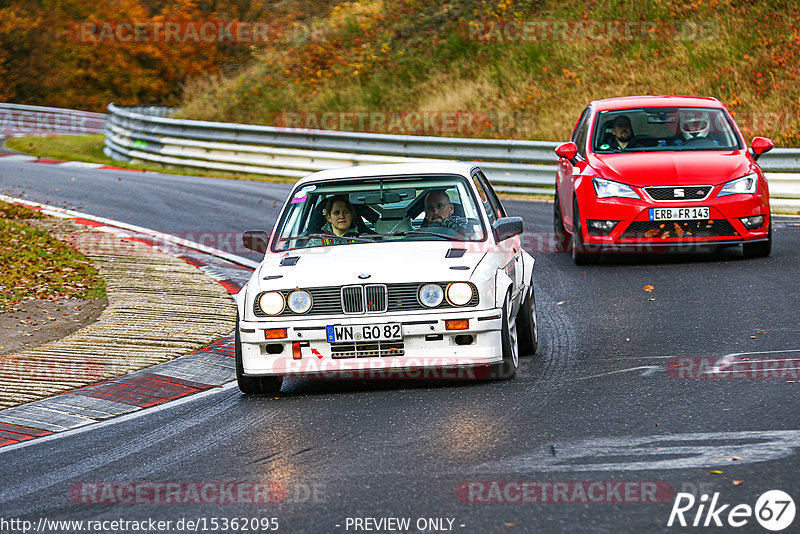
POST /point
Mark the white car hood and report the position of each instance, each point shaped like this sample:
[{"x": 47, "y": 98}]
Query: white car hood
[{"x": 383, "y": 262}]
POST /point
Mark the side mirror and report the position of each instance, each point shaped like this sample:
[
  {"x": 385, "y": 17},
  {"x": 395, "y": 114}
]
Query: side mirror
[
  {"x": 506, "y": 227},
  {"x": 761, "y": 145},
  {"x": 567, "y": 151},
  {"x": 255, "y": 240}
]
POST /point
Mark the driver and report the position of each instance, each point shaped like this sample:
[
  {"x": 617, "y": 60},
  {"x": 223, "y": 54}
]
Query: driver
[
  {"x": 622, "y": 134},
  {"x": 439, "y": 213}
]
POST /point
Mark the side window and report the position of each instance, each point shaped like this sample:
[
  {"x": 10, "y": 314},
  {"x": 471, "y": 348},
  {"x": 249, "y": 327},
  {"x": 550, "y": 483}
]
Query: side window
[
  {"x": 581, "y": 131},
  {"x": 494, "y": 202},
  {"x": 484, "y": 197}
]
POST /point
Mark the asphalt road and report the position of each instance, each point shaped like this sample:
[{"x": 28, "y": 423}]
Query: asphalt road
[{"x": 600, "y": 402}]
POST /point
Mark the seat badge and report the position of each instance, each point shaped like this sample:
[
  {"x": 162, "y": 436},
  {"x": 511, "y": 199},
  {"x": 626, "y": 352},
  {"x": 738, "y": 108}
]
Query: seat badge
[{"x": 678, "y": 193}]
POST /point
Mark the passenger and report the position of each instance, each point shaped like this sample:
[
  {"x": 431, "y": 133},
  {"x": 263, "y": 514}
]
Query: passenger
[
  {"x": 340, "y": 215},
  {"x": 439, "y": 213}
]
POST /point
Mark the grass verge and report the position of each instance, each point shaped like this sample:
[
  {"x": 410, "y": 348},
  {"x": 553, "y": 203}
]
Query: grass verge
[{"x": 38, "y": 266}]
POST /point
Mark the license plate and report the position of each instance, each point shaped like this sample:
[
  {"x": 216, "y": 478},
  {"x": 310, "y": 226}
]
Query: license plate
[
  {"x": 363, "y": 332},
  {"x": 680, "y": 214}
]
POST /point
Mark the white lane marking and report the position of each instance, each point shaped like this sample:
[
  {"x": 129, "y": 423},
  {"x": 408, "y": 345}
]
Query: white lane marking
[
  {"x": 723, "y": 356},
  {"x": 603, "y": 454},
  {"x": 649, "y": 370},
  {"x": 167, "y": 238},
  {"x": 118, "y": 419}
]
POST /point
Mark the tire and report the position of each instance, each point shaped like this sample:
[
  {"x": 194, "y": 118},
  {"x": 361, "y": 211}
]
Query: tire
[
  {"x": 527, "y": 325},
  {"x": 507, "y": 369},
  {"x": 561, "y": 235},
  {"x": 252, "y": 385},
  {"x": 762, "y": 249},
  {"x": 579, "y": 253}
]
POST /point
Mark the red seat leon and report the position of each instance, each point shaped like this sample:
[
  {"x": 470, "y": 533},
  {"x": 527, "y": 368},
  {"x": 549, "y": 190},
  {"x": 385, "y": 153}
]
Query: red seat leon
[{"x": 653, "y": 173}]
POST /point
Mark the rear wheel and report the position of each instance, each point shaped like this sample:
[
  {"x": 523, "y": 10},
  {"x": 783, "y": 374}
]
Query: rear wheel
[
  {"x": 579, "y": 253},
  {"x": 762, "y": 249},
  {"x": 561, "y": 235},
  {"x": 508, "y": 367},
  {"x": 527, "y": 326},
  {"x": 252, "y": 385}
]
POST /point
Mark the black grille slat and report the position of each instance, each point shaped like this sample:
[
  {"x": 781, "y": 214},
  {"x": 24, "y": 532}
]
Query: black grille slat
[
  {"x": 690, "y": 192},
  {"x": 656, "y": 230}
]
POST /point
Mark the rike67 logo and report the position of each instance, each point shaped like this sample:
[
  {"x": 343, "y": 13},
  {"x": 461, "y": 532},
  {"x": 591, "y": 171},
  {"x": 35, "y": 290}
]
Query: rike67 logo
[{"x": 774, "y": 510}]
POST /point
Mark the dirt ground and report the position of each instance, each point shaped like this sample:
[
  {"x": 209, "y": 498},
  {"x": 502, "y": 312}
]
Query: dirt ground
[{"x": 36, "y": 322}]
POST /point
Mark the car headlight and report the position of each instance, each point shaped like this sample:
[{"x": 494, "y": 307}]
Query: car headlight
[
  {"x": 745, "y": 184},
  {"x": 271, "y": 303},
  {"x": 299, "y": 301},
  {"x": 459, "y": 293},
  {"x": 431, "y": 295},
  {"x": 607, "y": 188}
]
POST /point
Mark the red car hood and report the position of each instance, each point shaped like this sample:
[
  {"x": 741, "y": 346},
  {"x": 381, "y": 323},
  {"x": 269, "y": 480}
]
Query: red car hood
[{"x": 672, "y": 168}]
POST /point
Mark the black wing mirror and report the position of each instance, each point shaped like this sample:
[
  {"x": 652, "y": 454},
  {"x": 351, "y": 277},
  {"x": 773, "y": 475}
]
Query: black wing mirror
[
  {"x": 506, "y": 227},
  {"x": 255, "y": 240}
]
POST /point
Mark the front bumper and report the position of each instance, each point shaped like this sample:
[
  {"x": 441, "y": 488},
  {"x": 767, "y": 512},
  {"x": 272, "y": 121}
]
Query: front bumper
[
  {"x": 636, "y": 230},
  {"x": 426, "y": 344}
]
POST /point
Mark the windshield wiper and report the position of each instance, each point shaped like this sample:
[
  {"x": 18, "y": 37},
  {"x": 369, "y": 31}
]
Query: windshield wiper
[
  {"x": 306, "y": 237},
  {"x": 404, "y": 233}
]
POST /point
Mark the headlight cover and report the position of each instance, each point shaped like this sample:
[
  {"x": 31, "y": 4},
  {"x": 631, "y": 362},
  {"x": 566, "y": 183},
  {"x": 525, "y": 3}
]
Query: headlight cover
[
  {"x": 459, "y": 293},
  {"x": 607, "y": 188},
  {"x": 746, "y": 184},
  {"x": 271, "y": 303},
  {"x": 299, "y": 301},
  {"x": 431, "y": 295}
]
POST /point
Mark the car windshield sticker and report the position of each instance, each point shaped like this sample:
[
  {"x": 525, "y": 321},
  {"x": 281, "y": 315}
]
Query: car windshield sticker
[
  {"x": 605, "y": 147},
  {"x": 302, "y": 195}
]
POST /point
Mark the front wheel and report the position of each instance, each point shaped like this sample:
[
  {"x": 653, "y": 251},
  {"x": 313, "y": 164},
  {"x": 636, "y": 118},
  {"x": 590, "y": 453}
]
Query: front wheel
[
  {"x": 527, "y": 325},
  {"x": 507, "y": 368},
  {"x": 579, "y": 253},
  {"x": 762, "y": 249},
  {"x": 252, "y": 385}
]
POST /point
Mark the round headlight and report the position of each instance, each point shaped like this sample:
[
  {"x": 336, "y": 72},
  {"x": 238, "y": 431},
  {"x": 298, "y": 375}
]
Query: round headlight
[
  {"x": 459, "y": 293},
  {"x": 271, "y": 303},
  {"x": 299, "y": 301},
  {"x": 431, "y": 295}
]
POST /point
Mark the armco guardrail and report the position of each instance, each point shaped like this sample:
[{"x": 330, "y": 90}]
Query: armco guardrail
[
  {"x": 17, "y": 119},
  {"x": 149, "y": 134}
]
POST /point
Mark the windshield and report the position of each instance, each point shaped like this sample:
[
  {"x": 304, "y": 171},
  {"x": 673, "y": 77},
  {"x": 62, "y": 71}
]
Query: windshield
[
  {"x": 370, "y": 210},
  {"x": 656, "y": 129}
]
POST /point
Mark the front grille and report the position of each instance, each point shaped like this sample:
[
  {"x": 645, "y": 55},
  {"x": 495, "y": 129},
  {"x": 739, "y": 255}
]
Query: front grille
[
  {"x": 379, "y": 298},
  {"x": 352, "y": 299},
  {"x": 690, "y": 192},
  {"x": 368, "y": 350},
  {"x": 376, "y": 298},
  {"x": 679, "y": 229}
]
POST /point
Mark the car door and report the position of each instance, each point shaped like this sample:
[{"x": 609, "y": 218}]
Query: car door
[{"x": 511, "y": 249}]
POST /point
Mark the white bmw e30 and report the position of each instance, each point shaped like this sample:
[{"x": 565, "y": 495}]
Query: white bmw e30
[{"x": 396, "y": 268}]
